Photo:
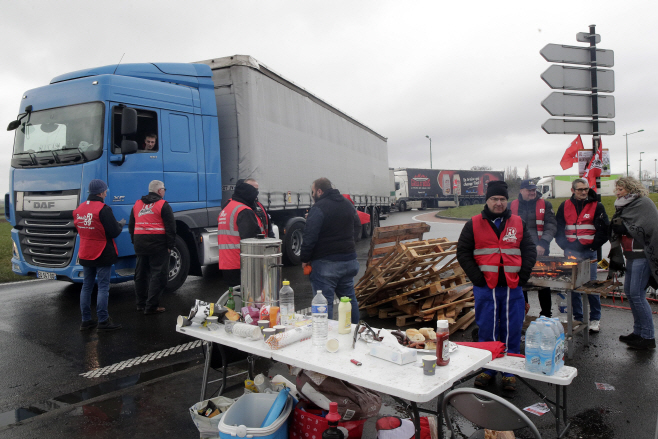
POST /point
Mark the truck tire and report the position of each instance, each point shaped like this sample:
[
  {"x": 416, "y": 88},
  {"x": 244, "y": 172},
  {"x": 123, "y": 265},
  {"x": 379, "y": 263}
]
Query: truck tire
[
  {"x": 366, "y": 230},
  {"x": 403, "y": 206},
  {"x": 423, "y": 205},
  {"x": 292, "y": 243},
  {"x": 179, "y": 265},
  {"x": 374, "y": 220}
]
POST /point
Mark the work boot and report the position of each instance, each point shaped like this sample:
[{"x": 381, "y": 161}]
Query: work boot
[
  {"x": 483, "y": 380},
  {"x": 108, "y": 325},
  {"x": 629, "y": 337},
  {"x": 88, "y": 324},
  {"x": 509, "y": 384},
  {"x": 642, "y": 343}
]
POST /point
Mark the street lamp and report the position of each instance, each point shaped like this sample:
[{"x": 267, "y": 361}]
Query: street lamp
[
  {"x": 430, "y": 151},
  {"x": 641, "y": 165},
  {"x": 628, "y": 134},
  {"x": 655, "y": 174}
]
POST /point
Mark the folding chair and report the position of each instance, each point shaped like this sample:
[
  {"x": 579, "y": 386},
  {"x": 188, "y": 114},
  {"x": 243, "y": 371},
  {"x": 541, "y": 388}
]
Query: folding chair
[{"x": 485, "y": 410}]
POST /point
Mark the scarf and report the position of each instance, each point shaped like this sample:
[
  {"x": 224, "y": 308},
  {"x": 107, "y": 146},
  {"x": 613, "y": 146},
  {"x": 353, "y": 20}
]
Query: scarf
[{"x": 625, "y": 200}]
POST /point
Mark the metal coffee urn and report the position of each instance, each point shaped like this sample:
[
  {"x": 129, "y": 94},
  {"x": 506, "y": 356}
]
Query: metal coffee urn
[{"x": 260, "y": 265}]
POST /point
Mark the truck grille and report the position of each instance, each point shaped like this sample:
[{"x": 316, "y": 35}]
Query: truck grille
[{"x": 47, "y": 242}]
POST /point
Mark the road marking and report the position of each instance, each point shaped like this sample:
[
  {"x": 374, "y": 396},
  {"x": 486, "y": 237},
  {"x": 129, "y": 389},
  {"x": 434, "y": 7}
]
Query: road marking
[
  {"x": 143, "y": 359},
  {"x": 23, "y": 282}
]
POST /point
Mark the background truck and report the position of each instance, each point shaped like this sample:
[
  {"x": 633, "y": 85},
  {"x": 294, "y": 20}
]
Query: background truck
[
  {"x": 559, "y": 186},
  {"x": 216, "y": 121},
  {"x": 428, "y": 188}
]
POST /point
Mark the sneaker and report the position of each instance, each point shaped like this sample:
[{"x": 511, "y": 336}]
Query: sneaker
[
  {"x": 642, "y": 343},
  {"x": 88, "y": 324},
  {"x": 483, "y": 380},
  {"x": 629, "y": 337},
  {"x": 509, "y": 384},
  {"x": 594, "y": 325},
  {"x": 108, "y": 325}
]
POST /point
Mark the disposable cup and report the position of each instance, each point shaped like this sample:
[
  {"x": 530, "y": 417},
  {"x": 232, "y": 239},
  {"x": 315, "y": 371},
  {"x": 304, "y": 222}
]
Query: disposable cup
[
  {"x": 262, "y": 324},
  {"x": 228, "y": 326},
  {"x": 429, "y": 364},
  {"x": 279, "y": 329},
  {"x": 182, "y": 321},
  {"x": 332, "y": 345},
  {"x": 267, "y": 332}
]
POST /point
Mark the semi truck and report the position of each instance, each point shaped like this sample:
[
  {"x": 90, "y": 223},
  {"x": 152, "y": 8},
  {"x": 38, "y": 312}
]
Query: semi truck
[
  {"x": 431, "y": 188},
  {"x": 216, "y": 121},
  {"x": 559, "y": 186}
]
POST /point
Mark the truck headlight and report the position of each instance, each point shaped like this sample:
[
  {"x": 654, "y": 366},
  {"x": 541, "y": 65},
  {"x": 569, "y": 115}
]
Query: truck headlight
[{"x": 15, "y": 250}]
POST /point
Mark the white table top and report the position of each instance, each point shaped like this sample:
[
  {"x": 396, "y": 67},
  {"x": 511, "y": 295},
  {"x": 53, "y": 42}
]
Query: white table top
[
  {"x": 516, "y": 365},
  {"x": 406, "y": 381}
]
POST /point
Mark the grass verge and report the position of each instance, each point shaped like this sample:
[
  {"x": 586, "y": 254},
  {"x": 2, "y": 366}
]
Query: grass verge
[{"x": 6, "y": 275}]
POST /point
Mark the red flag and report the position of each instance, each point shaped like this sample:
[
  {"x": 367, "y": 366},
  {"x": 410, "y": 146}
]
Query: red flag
[
  {"x": 594, "y": 168},
  {"x": 571, "y": 154}
]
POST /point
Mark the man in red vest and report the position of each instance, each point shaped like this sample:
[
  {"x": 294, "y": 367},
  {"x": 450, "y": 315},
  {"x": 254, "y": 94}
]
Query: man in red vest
[
  {"x": 582, "y": 227},
  {"x": 97, "y": 251},
  {"x": 153, "y": 233},
  {"x": 238, "y": 220},
  {"x": 497, "y": 252},
  {"x": 540, "y": 220}
]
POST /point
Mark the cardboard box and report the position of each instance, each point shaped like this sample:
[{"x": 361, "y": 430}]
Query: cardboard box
[{"x": 402, "y": 355}]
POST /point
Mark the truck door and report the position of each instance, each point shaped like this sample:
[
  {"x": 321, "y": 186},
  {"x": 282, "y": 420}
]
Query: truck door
[{"x": 179, "y": 157}]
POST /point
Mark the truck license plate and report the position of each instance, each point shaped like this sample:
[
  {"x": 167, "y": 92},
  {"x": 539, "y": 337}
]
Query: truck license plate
[{"x": 46, "y": 275}]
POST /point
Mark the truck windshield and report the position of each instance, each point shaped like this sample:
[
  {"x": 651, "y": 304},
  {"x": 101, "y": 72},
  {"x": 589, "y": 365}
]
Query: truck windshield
[{"x": 60, "y": 136}]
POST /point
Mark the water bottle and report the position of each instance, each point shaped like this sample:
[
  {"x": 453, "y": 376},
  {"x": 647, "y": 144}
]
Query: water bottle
[
  {"x": 562, "y": 306},
  {"x": 287, "y": 304},
  {"x": 320, "y": 317},
  {"x": 561, "y": 344},
  {"x": 547, "y": 347},
  {"x": 532, "y": 362}
]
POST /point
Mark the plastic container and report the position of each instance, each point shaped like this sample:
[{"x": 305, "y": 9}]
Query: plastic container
[
  {"x": 287, "y": 304},
  {"x": 344, "y": 316},
  {"x": 547, "y": 343},
  {"x": 246, "y": 415},
  {"x": 320, "y": 317},
  {"x": 562, "y": 307},
  {"x": 532, "y": 362},
  {"x": 442, "y": 343},
  {"x": 560, "y": 347}
]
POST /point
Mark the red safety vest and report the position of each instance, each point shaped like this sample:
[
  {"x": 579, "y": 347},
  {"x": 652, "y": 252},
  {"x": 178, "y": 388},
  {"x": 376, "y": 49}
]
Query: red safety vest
[
  {"x": 492, "y": 252},
  {"x": 148, "y": 218},
  {"x": 540, "y": 210},
  {"x": 228, "y": 235},
  {"x": 92, "y": 233},
  {"x": 581, "y": 226},
  {"x": 264, "y": 227}
]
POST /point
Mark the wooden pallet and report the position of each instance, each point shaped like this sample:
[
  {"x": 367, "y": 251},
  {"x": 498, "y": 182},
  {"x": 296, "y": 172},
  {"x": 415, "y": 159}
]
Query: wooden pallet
[{"x": 384, "y": 238}]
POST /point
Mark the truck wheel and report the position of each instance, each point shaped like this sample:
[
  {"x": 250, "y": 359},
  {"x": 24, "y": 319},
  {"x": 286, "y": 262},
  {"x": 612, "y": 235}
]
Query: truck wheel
[
  {"x": 366, "y": 230},
  {"x": 423, "y": 205},
  {"x": 403, "y": 206},
  {"x": 374, "y": 220},
  {"x": 179, "y": 265},
  {"x": 292, "y": 244}
]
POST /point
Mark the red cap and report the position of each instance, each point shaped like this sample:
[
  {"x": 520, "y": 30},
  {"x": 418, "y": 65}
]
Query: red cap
[{"x": 333, "y": 415}]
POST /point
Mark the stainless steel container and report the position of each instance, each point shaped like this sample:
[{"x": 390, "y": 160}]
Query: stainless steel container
[{"x": 260, "y": 265}]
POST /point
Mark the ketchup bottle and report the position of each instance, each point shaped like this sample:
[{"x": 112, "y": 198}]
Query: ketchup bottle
[{"x": 442, "y": 348}]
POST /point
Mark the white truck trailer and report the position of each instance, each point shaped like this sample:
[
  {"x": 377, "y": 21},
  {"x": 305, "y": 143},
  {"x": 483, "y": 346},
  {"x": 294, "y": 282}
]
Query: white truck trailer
[{"x": 559, "y": 186}]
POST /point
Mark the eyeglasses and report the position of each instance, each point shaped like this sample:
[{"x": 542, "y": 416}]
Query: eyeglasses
[{"x": 582, "y": 189}]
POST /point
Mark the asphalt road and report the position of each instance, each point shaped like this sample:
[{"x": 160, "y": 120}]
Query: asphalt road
[{"x": 44, "y": 358}]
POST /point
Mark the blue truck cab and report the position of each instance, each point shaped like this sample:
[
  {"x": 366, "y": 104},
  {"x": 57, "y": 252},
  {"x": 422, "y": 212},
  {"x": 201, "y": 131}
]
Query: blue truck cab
[{"x": 92, "y": 124}]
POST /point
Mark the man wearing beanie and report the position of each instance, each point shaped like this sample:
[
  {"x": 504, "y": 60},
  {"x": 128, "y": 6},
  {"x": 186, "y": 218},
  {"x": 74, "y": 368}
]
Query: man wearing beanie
[
  {"x": 97, "y": 229},
  {"x": 497, "y": 252}
]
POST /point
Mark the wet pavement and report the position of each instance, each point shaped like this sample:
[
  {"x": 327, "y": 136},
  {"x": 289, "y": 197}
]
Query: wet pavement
[{"x": 43, "y": 394}]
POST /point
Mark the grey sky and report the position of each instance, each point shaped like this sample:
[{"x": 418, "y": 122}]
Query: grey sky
[{"x": 465, "y": 73}]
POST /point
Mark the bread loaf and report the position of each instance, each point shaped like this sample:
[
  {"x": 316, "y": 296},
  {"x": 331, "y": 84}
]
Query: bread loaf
[
  {"x": 414, "y": 335},
  {"x": 428, "y": 333}
]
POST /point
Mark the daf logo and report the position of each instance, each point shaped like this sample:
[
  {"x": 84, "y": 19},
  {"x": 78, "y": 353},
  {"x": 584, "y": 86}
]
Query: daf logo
[
  {"x": 118, "y": 198},
  {"x": 44, "y": 204}
]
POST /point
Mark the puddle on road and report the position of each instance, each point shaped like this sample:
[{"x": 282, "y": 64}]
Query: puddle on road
[
  {"x": 592, "y": 424},
  {"x": 99, "y": 409}
]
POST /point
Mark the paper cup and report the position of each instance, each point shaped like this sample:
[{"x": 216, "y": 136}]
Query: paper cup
[
  {"x": 262, "y": 382},
  {"x": 262, "y": 324},
  {"x": 279, "y": 329},
  {"x": 267, "y": 332},
  {"x": 228, "y": 326},
  {"x": 429, "y": 364},
  {"x": 332, "y": 345},
  {"x": 182, "y": 321},
  {"x": 247, "y": 331}
]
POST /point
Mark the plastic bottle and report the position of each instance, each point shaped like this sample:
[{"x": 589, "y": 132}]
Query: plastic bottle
[
  {"x": 547, "y": 347},
  {"x": 332, "y": 417},
  {"x": 320, "y": 319},
  {"x": 230, "y": 303},
  {"x": 532, "y": 362},
  {"x": 287, "y": 304},
  {"x": 561, "y": 344},
  {"x": 562, "y": 306},
  {"x": 344, "y": 316},
  {"x": 442, "y": 343}
]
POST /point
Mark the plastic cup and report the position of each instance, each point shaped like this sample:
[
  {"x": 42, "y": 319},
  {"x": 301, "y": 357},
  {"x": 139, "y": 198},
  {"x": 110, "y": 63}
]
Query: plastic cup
[
  {"x": 429, "y": 364},
  {"x": 279, "y": 329},
  {"x": 228, "y": 326},
  {"x": 332, "y": 345},
  {"x": 267, "y": 332}
]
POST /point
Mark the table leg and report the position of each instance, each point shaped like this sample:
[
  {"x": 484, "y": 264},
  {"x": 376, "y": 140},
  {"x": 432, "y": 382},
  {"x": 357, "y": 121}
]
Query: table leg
[
  {"x": 439, "y": 416},
  {"x": 557, "y": 409},
  {"x": 251, "y": 359},
  {"x": 414, "y": 407},
  {"x": 569, "y": 326},
  {"x": 585, "y": 299},
  {"x": 206, "y": 366},
  {"x": 224, "y": 366}
]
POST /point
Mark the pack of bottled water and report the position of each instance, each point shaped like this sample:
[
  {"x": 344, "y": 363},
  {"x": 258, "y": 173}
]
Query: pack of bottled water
[{"x": 545, "y": 346}]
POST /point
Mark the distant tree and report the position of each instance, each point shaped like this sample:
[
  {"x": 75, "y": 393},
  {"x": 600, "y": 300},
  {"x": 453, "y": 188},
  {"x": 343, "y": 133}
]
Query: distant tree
[
  {"x": 481, "y": 168},
  {"x": 513, "y": 181},
  {"x": 526, "y": 175}
]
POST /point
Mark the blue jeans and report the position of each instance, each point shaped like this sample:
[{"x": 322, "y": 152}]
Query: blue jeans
[
  {"x": 336, "y": 277},
  {"x": 594, "y": 299},
  {"x": 635, "y": 285},
  {"x": 103, "y": 275}
]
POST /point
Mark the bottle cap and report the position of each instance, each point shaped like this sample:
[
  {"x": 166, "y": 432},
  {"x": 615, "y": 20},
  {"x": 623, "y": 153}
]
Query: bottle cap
[
  {"x": 442, "y": 324},
  {"x": 286, "y": 282},
  {"x": 345, "y": 299},
  {"x": 333, "y": 415}
]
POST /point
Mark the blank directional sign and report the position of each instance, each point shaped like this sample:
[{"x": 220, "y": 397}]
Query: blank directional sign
[
  {"x": 578, "y": 105},
  {"x": 576, "y": 55},
  {"x": 578, "y": 78},
  {"x": 585, "y": 37},
  {"x": 574, "y": 126}
]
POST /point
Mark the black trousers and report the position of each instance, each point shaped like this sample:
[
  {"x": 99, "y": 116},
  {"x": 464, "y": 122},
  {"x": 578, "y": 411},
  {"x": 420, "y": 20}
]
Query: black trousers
[
  {"x": 231, "y": 277},
  {"x": 544, "y": 296},
  {"x": 151, "y": 279}
]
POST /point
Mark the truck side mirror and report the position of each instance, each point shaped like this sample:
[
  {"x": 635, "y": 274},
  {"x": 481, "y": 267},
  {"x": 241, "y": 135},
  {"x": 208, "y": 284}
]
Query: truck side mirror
[
  {"x": 13, "y": 125},
  {"x": 128, "y": 122},
  {"x": 128, "y": 147}
]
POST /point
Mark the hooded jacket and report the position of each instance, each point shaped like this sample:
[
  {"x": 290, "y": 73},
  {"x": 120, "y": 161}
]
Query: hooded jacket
[
  {"x": 528, "y": 213},
  {"x": 112, "y": 230},
  {"x": 149, "y": 244},
  {"x": 247, "y": 222},
  {"x": 601, "y": 223}
]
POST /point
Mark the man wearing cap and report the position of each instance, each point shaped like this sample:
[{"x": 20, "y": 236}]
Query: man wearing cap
[
  {"x": 97, "y": 251},
  {"x": 540, "y": 220},
  {"x": 153, "y": 233},
  {"x": 497, "y": 252},
  {"x": 582, "y": 227}
]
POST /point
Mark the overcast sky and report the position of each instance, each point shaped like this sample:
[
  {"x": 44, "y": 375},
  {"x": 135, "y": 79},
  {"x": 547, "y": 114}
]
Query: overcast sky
[{"x": 465, "y": 73}]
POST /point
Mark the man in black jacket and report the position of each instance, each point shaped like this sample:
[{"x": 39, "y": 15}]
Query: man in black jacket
[
  {"x": 153, "y": 233},
  {"x": 497, "y": 253},
  {"x": 328, "y": 245},
  {"x": 97, "y": 229},
  {"x": 582, "y": 228}
]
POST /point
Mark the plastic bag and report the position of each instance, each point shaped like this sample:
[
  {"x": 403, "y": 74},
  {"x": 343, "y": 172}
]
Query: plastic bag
[{"x": 209, "y": 427}]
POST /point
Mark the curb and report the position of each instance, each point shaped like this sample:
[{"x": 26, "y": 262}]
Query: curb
[{"x": 451, "y": 218}]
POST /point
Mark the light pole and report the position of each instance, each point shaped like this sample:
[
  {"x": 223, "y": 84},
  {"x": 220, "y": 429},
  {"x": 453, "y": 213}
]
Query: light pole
[
  {"x": 430, "y": 151},
  {"x": 641, "y": 165},
  {"x": 655, "y": 174},
  {"x": 628, "y": 134}
]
